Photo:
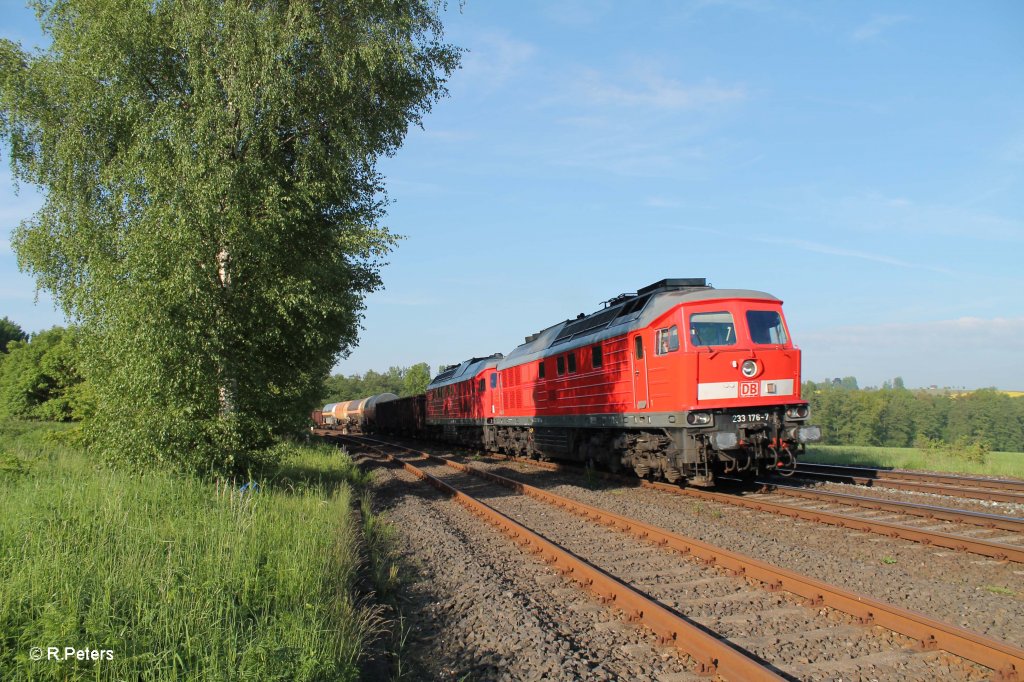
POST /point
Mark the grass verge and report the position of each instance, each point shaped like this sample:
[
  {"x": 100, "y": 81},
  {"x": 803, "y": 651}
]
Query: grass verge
[
  {"x": 1009, "y": 464},
  {"x": 176, "y": 577}
]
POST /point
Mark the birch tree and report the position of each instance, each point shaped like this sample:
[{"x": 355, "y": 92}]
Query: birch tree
[{"x": 212, "y": 214}]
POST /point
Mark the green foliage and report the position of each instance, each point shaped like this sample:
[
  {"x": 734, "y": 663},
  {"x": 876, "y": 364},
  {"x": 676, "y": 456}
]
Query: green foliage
[
  {"x": 383, "y": 552},
  {"x": 999, "y": 589},
  {"x": 416, "y": 379},
  {"x": 402, "y": 381},
  {"x": 39, "y": 378},
  {"x": 182, "y": 579},
  {"x": 212, "y": 202},
  {"x": 988, "y": 415},
  {"x": 996, "y": 463},
  {"x": 9, "y": 331},
  {"x": 897, "y": 417},
  {"x": 964, "y": 448}
]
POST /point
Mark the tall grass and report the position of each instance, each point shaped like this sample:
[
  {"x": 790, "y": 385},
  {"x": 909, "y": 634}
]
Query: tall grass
[
  {"x": 179, "y": 578},
  {"x": 996, "y": 463}
]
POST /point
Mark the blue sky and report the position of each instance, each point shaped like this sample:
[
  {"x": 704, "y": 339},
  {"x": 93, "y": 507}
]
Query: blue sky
[{"x": 863, "y": 161}]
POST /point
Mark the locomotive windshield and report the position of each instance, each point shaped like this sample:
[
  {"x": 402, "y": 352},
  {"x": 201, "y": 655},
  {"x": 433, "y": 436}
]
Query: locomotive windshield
[
  {"x": 712, "y": 329},
  {"x": 766, "y": 327}
]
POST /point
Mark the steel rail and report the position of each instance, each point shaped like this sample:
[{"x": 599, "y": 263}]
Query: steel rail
[
  {"x": 712, "y": 654},
  {"x": 1011, "y": 523},
  {"x": 906, "y": 484},
  {"x": 1004, "y": 658},
  {"x": 928, "y": 476},
  {"x": 996, "y": 550}
]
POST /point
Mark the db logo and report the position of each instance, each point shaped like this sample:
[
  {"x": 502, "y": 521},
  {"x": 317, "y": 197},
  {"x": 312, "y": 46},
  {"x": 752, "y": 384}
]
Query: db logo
[{"x": 749, "y": 389}]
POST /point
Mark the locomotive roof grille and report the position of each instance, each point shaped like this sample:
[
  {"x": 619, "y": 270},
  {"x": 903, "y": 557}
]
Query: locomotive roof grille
[
  {"x": 675, "y": 284},
  {"x": 447, "y": 374},
  {"x": 639, "y": 310},
  {"x": 624, "y": 307},
  {"x": 585, "y": 324},
  {"x": 454, "y": 373}
]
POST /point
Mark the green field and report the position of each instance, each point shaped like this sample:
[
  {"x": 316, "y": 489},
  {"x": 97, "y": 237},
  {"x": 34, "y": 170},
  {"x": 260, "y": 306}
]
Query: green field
[
  {"x": 178, "y": 578},
  {"x": 996, "y": 463}
]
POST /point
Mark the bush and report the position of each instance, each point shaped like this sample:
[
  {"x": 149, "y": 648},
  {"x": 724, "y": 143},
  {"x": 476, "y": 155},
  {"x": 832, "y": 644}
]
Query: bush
[
  {"x": 39, "y": 378},
  {"x": 974, "y": 450}
]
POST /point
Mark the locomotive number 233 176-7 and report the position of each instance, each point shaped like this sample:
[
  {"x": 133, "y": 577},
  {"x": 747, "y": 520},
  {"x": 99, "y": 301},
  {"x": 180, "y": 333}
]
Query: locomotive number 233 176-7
[{"x": 749, "y": 418}]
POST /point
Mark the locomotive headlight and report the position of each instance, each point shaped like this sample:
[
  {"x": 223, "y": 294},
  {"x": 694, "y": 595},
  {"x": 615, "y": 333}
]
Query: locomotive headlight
[
  {"x": 698, "y": 418},
  {"x": 797, "y": 412},
  {"x": 749, "y": 368}
]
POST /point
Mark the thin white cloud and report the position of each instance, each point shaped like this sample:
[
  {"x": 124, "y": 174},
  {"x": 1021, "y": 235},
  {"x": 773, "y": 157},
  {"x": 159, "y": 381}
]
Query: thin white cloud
[
  {"x": 451, "y": 135},
  {"x": 1002, "y": 332},
  {"x": 493, "y": 59},
  {"x": 966, "y": 351},
  {"x": 875, "y": 26},
  {"x": 576, "y": 13},
  {"x": 1013, "y": 149},
  {"x": 878, "y": 212},
  {"x": 646, "y": 89},
  {"x": 661, "y": 202},
  {"x": 645, "y": 143},
  {"x": 816, "y": 247},
  {"x": 414, "y": 301}
]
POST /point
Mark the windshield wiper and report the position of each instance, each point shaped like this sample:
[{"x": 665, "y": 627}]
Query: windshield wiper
[{"x": 700, "y": 341}]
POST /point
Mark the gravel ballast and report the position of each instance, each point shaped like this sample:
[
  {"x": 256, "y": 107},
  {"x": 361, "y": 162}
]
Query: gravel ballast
[
  {"x": 960, "y": 588},
  {"x": 807, "y": 643},
  {"x": 477, "y": 607}
]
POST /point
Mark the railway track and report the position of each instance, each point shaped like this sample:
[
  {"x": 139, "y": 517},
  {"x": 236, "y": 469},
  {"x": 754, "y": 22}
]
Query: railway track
[
  {"x": 737, "y": 597},
  {"x": 926, "y": 511},
  {"x": 948, "y": 528},
  {"x": 990, "y": 489}
]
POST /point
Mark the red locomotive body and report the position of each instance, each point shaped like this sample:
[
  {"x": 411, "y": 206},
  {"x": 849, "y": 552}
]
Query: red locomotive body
[
  {"x": 679, "y": 381},
  {"x": 461, "y": 399}
]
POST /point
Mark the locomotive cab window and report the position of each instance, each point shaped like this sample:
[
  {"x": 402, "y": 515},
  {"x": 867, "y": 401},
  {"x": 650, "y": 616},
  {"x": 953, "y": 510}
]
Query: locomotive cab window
[
  {"x": 638, "y": 344},
  {"x": 712, "y": 329},
  {"x": 595, "y": 357},
  {"x": 572, "y": 362},
  {"x": 560, "y": 362},
  {"x": 540, "y": 370},
  {"x": 766, "y": 327},
  {"x": 494, "y": 379},
  {"x": 667, "y": 341},
  {"x": 482, "y": 386}
]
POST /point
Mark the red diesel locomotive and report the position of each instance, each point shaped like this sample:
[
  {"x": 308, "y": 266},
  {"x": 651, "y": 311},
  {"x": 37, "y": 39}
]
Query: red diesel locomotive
[{"x": 677, "y": 381}]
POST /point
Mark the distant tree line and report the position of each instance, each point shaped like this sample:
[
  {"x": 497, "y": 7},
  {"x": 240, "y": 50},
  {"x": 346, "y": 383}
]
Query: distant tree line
[
  {"x": 402, "y": 381},
  {"x": 894, "y": 416}
]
